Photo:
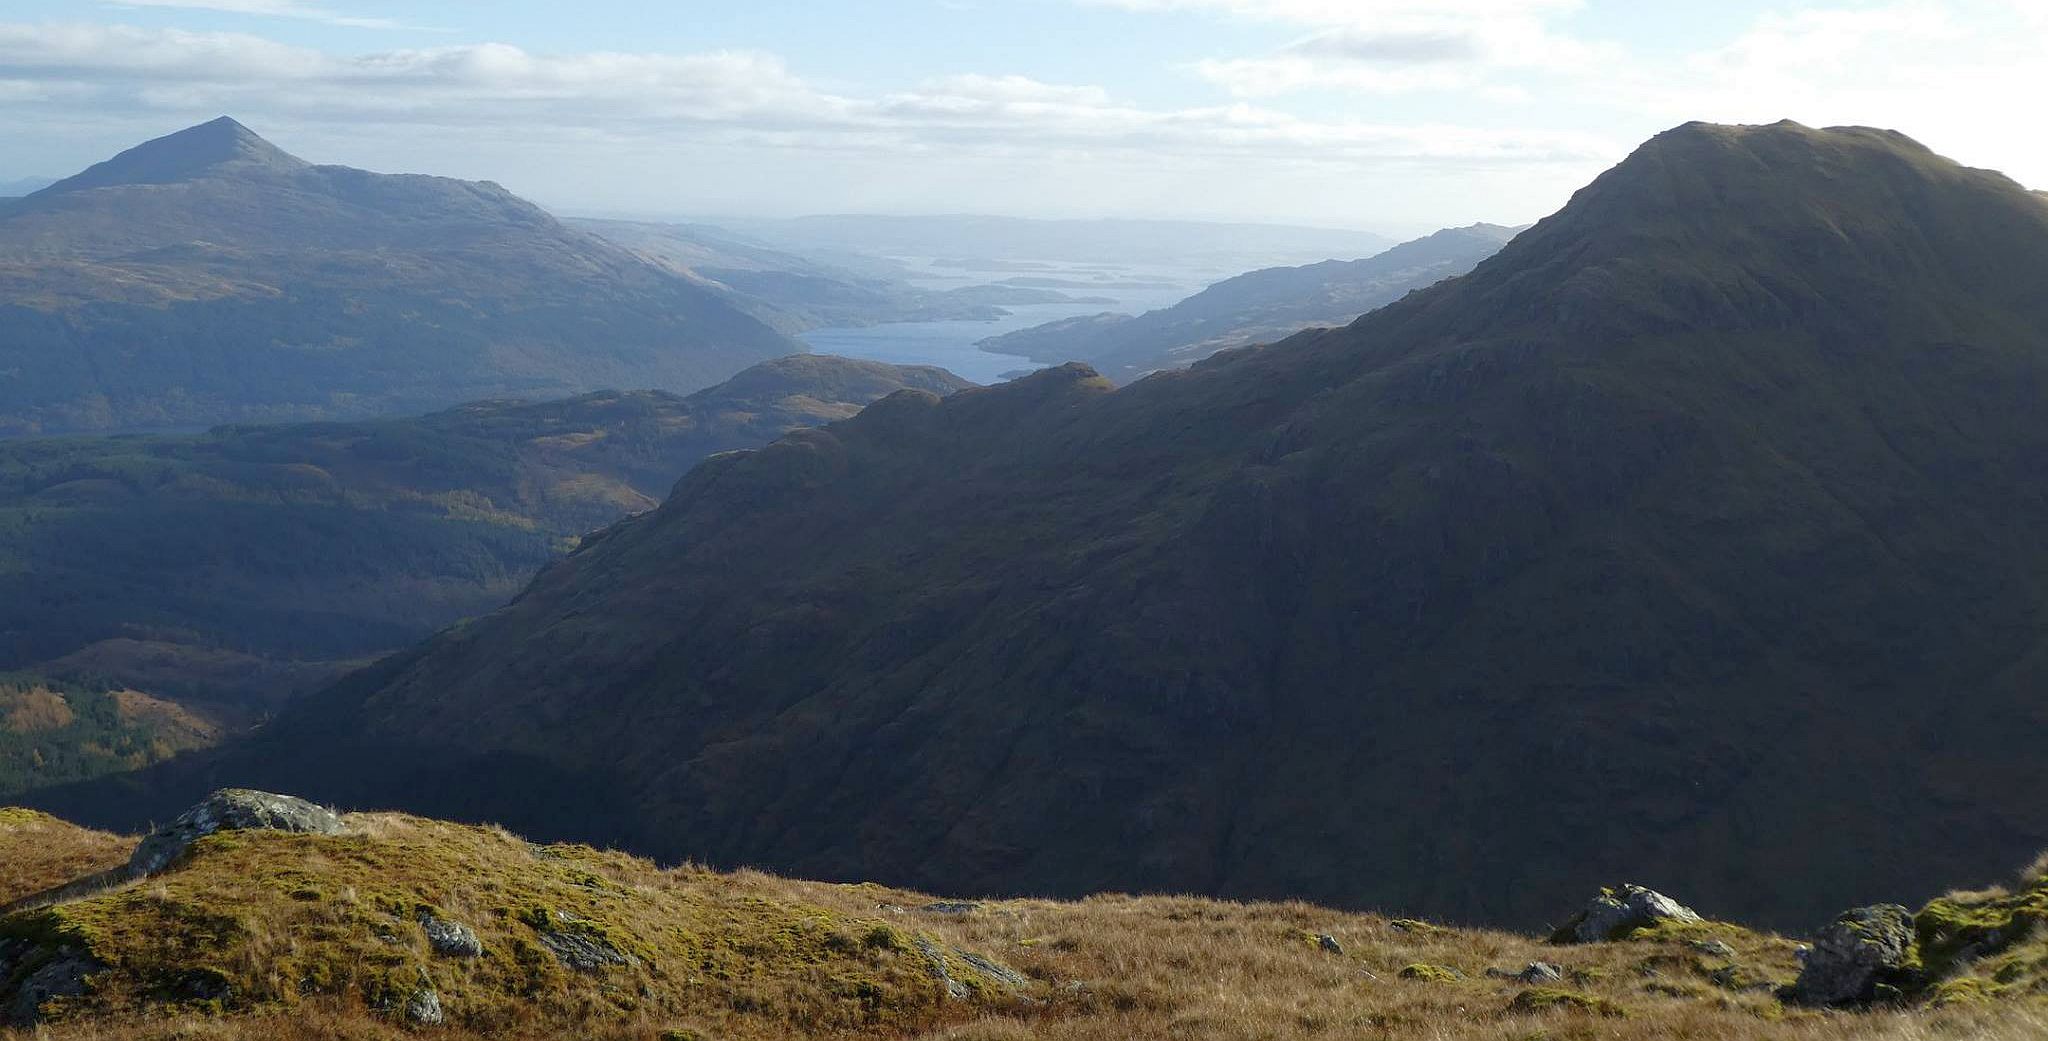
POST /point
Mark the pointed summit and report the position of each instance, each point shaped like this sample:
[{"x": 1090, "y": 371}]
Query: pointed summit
[{"x": 187, "y": 154}]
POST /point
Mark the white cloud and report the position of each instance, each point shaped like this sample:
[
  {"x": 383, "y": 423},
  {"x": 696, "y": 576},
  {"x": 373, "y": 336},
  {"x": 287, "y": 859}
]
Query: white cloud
[
  {"x": 266, "y": 8},
  {"x": 745, "y": 127},
  {"x": 1391, "y": 46},
  {"x": 1356, "y": 12},
  {"x": 1949, "y": 71},
  {"x": 727, "y": 95}
]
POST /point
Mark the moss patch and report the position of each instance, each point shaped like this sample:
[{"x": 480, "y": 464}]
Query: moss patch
[
  {"x": 1552, "y": 999},
  {"x": 1973, "y": 946},
  {"x": 1427, "y": 973}
]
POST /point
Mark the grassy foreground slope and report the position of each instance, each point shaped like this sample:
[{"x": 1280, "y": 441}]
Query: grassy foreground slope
[{"x": 271, "y": 935}]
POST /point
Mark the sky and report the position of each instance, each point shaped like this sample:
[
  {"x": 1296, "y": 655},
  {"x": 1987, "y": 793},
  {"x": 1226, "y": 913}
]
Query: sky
[{"x": 1391, "y": 115}]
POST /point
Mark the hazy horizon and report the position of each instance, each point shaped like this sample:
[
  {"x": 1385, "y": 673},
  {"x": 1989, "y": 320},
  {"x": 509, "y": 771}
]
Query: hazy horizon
[{"x": 1396, "y": 116}]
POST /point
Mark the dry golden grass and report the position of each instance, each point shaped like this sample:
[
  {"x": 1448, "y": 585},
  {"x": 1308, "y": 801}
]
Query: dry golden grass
[
  {"x": 749, "y": 955},
  {"x": 39, "y": 852}
]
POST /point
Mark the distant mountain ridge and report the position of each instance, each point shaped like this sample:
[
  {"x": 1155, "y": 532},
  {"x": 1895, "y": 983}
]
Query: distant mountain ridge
[
  {"x": 1257, "y": 307},
  {"x": 992, "y": 242},
  {"x": 1692, "y": 535},
  {"x": 209, "y": 276}
]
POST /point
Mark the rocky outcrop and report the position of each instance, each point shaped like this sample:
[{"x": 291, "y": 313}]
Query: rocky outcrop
[
  {"x": 1713, "y": 948},
  {"x": 230, "y": 809},
  {"x": 578, "y": 944},
  {"x": 424, "y": 1008},
  {"x": 40, "y": 975},
  {"x": 1863, "y": 956},
  {"x": 982, "y": 971},
  {"x": 450, "y": 939},
  {"x": 1617, "y": 912}
]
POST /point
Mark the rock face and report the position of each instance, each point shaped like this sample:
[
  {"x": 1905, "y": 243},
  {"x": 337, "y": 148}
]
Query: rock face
[
  {"x": 990, "y": 970},
  {"x": 577, "y": 949},
  {"x": 1615, "y": 912},
  {"x": 230, "y": 809},
  {"x": 996, "y": 971},
  {"x": 43, "y": 974},
  {"x": 936, "y": 957},
  {"x": 1855, "y": 957}
]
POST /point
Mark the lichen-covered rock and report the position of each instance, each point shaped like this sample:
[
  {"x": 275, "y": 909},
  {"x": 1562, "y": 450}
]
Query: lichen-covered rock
[
  {"x": 935, "y": 956},
  {"x": 577, "y": 946},
  {"x": 450, "y": 939},
  {"x": 1537, "y": 972},
  {"x": 1713, "y": 948},
  {"x": 1616, "y": 912},
  {"x": 230, "y": 809},
  {"x": 1857, "y": 955},
  {"x": 998, "y": 973},
  {"x": 424, "y": 1008},
  {"x": 1329, "y": 943},
  {"x": 989, "y": 971}
]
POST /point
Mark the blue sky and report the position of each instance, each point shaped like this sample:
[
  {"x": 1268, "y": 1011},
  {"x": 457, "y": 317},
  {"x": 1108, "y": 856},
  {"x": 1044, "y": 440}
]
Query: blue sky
[{"x": 1399, "y": 115}]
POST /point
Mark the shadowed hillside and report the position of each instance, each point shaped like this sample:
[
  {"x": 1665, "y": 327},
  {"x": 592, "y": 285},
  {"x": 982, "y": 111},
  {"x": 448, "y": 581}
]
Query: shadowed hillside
[
  {"x": 235, "y": 569},
  {"x": 208, "y": 276},
  {"x": 1694, "y": 535}
]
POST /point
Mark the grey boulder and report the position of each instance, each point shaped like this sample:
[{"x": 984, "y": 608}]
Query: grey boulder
[
  {"x": 424, "y": 1008},
  {"x": 1856, "y": 956},
  {"x": 230, "y": 809},
  {"x": 1616, "y": 912},
  {"x": 450, "y": 939}
]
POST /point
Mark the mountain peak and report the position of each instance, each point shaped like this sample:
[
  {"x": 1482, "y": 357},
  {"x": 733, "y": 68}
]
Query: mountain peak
[
  {"x": 190, "y": 153},
  {"x": 1719, "y": 226}
]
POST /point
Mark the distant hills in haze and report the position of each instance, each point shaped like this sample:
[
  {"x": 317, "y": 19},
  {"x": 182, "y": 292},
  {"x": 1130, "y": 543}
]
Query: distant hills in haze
[
  {"x": 1258, "y": 307},
  {"x": 795, "y": 294},
  {"x": 985, "y": 244},
  {"x": 1692, "y": 535},
  {"x": 24, "y": 186},
  {"x": 226, "y": 572},
  {"x": 209, "y": 277}
]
